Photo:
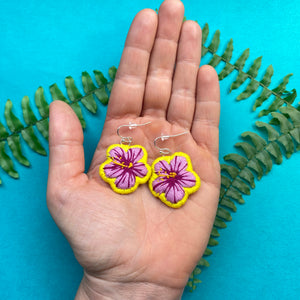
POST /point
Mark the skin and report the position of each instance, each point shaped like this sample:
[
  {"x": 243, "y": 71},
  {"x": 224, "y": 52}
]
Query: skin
[{"x": 134, "y": 246}]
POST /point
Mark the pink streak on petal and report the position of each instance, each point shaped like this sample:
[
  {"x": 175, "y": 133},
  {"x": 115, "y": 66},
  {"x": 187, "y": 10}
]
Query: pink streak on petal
[
  {"x": 112, "y": 170},
  {"x": 163, "y": 165},
  {"x": 125, "y": 181},
  {"x": 175, "y": 193},
  {"x": 187, "y": 179},
  {"x": 139, "y": 170},
  {"x": 117, "y": 152},
  {"x": 178, "y": 164},
  {"x": 160, "y": 186},
  {"x": 134, "y": 154}
]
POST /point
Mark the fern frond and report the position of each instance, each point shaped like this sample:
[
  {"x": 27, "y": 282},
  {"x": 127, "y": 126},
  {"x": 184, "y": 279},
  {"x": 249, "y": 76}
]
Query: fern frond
[
  {"x": 240, "y": 170},
  {"x": 281, "y": 96},
  {"x": 27, "y": 129}
]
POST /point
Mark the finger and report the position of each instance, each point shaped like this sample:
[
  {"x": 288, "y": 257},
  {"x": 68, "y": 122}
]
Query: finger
[
  {"x": 128, "y": 90},
  {"x": 182, "y": 102},
  {"x": 162, "y": 61},
  {"x": 205, "y": 127},
  {"x": 66, "y": 158}
]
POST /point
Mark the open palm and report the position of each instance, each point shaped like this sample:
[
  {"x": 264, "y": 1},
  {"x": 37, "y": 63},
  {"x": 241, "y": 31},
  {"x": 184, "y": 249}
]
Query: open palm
[{"x": 135, "y": 241}]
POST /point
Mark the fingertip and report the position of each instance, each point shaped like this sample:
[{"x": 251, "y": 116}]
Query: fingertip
[
  {"x": 63, "y": 123},
  {"x": 207, "y": 75},
  {"x": 143, "y": 29},
  {"x": 193, "y": 29},
  {"x": 174, "y": 6}
]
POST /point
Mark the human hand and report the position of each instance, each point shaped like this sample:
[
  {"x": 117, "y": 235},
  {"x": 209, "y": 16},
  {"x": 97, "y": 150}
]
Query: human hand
[{"x": 134, "y": 246}]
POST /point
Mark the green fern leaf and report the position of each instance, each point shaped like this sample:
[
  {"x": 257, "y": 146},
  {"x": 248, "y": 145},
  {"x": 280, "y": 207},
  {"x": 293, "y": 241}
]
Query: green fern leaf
[
  {"x": 6, "y": 163},
  {"x": 252, "y": 73},
  {"x": 257, "y": 140},
  {"x": 273, "y": 134},
  {"x": 240, "y": 63},
  {"x": 265, "y": 82},
  {"x": 219, "y": 223},
  {"x": 203, "y": 262},
  {"x": 15, "y": 147},
  {"x": 224, "y": 214},
  {"x": 239, "y": 160},
  {"x": 207, "y": 252},
  {"x": 57, "y": 94},
  {"x": 228, "y": 51},
  {"x": 212, "y": 242},
  {"x": 32, "y": 140},
  {"x": 74, "y": 94},
  {"x": 235, "y": 195},
  {"x": 228, "y": 203},
  {"x": 250, "y": 89},
  {"x": 13, "y": 123},
  {"x": 248, "y": 176},
  {"x": 43, "y": 127},
  {"x": 290, "y": 98},
  {"x": 264, "y": 157},
  {"x": 275, "y": 105},
  {"x": 249, "y": 150},
  {"x": 100, "y": 78},
  {"x": 205, "y": 32},
  {"x": 295, "y": 133},
  {"x": 274, "y": 150},
  {"x": 227, "y": 57},
  {"x": 112, "y": 74},
  {"x": 225, "y": 181},
  {"x": 101, "y": 93},
  {"x": 241, "y": 186},
  {"x": 3, "y": 133},
  {"x": 265, "y": 94},
  {"x": 253, "y": 164},
  {"x": 28, "y": 114},
  {"x": 267, "y": 77},
  {"x": 231, "y": 170},
  {"x": 112, "y": 71},
  {"x": 41, "y": 103},
  {"x": 214, "y": 45},
  {"x": 282, "y": 86},
  {"x": 216, "y": 59},
  {"x": 292, "y": 113},
  {"x": 197, "y": 271},
  {"x": 282, "y": 121},
  {"x": 240, "y": 79},
  {"x": 253, "y": 70},
  {"x": 287, "y": 142},
  {"x": 214, "y": 231}
]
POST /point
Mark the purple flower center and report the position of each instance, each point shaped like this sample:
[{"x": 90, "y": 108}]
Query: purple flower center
[
  {"x": 121, "y": 162},
  {"x": 172, "y": 178},
  {"x": 125, "y": 166}
]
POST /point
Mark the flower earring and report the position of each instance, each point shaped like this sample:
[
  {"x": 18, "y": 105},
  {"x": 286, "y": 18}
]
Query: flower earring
[
  {"x": 126, "y": 166},
  {"x": 173, "y": 178}
]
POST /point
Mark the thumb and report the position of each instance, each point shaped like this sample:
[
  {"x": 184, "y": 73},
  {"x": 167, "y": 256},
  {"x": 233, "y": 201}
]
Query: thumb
[{"x": 66, "y": 154}]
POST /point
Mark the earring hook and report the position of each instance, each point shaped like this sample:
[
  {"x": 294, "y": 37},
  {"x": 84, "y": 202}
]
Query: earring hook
[
  {"x": 166, "y": 151},
  {"x": 128, "y": 139}
]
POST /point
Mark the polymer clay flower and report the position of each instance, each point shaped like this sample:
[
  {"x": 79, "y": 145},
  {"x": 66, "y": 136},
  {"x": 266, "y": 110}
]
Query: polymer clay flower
[
  {"x": 173, "y": 179},
  {"x": 125, "y": 168}
]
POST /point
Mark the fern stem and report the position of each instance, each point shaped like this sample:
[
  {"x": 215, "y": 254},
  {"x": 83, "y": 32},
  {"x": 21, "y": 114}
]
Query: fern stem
[
  {"x": 252, "y": 160},
  {"x": 248, "y": 75},
  {"x": 47, "y": 116}
]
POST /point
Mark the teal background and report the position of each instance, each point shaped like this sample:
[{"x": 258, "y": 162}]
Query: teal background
[{"x": 42, "y": 42}]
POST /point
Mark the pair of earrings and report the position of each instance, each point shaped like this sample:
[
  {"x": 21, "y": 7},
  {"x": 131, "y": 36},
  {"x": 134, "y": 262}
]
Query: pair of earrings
[{"x": 171, "y": 178}]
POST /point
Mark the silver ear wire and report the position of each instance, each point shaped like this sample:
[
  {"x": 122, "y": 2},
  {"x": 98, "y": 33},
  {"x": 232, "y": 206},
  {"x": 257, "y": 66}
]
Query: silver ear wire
[
  {"x": 166, "y": 151},
  {"x": 128, "y": 139}
]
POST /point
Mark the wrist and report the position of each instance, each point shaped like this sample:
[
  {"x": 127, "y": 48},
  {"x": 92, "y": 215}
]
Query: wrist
[{"x": 97, "y": 289}]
